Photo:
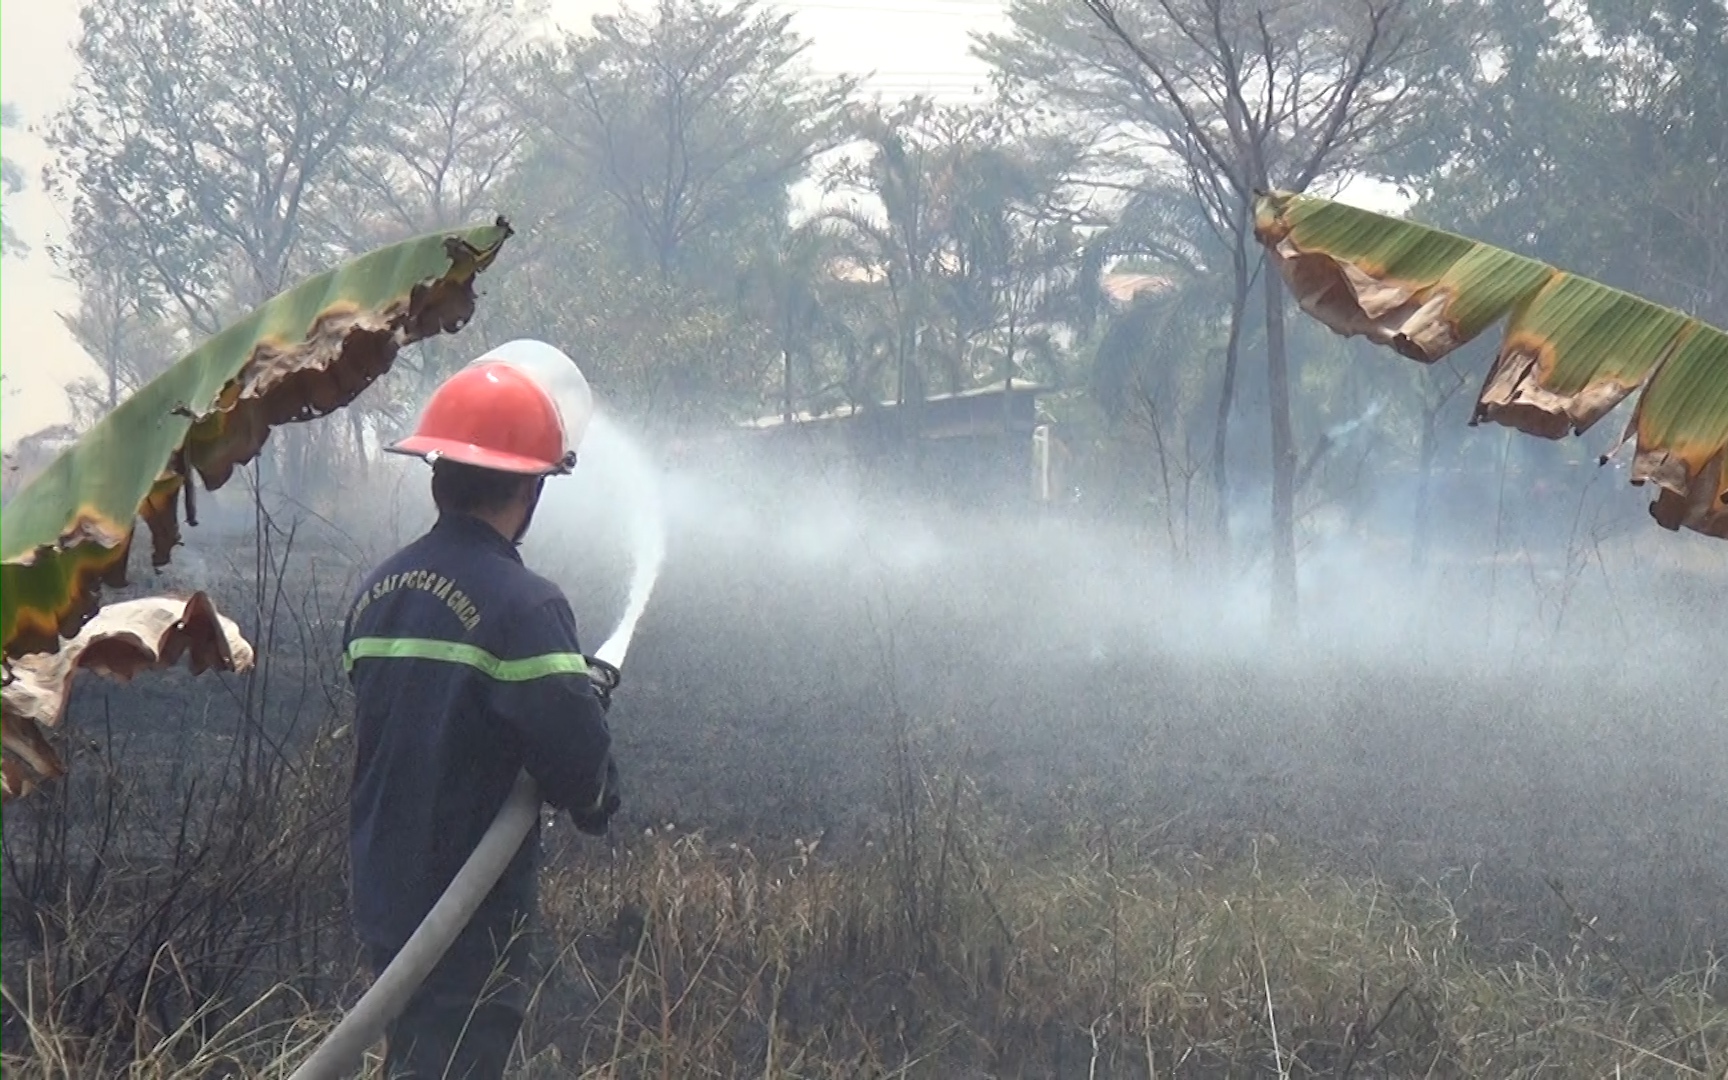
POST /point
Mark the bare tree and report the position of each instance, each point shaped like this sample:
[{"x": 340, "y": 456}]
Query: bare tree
[
  {"x": 1140, "y": 380},
  {"x": 1439, "y": 386},
  {"x": 1277, "y": 95},
  {"x": 1146, "y": 152},
  {"x": 1187, "y": 219},
  {"x": 438, "y": 157}
]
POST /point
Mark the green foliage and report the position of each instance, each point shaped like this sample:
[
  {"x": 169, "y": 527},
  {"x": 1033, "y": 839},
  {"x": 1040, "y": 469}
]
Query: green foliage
[
  {"x": 658, "y": 349},
  {"x": 1595, "y": 145},
  {"x": 675, "y": 135},
  {"x": 200, "y": 130}
]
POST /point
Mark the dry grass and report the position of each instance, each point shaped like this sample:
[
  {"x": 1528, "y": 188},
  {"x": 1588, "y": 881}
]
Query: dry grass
[{"x": 942, "y": 954}]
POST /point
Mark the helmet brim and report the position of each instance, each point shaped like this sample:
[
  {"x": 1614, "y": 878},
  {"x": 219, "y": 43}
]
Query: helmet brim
[{"x": 480, "y": 457}]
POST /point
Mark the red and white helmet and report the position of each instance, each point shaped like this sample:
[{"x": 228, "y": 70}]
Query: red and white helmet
[{"x": 523, "y": 407}]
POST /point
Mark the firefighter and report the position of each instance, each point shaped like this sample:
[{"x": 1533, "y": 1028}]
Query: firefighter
[{"x": 466, "y": 670}]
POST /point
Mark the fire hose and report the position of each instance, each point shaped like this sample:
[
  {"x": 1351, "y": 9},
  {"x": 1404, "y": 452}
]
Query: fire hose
[{"x": 385, "y": 999}]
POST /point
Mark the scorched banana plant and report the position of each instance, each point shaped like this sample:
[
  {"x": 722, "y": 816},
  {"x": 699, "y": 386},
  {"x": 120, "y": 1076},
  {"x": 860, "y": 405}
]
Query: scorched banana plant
[
  {"x": 1572, "y": 350},
  {"x": 301, "y": 355}
]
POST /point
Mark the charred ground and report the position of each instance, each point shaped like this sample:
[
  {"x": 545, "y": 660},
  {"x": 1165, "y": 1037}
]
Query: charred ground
[{"x": 884, "y": 680}]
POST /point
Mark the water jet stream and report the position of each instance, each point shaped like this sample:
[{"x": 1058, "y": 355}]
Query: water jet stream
[
  {"x": 621, "y": 458},
  {"x": 385, "y": 999}
]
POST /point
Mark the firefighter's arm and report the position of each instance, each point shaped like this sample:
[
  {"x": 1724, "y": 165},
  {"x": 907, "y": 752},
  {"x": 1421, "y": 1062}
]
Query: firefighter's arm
[{"x": 542, "y": 691}]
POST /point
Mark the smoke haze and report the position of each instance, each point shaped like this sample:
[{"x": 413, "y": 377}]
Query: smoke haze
[{"x": 1553, "y": 712}]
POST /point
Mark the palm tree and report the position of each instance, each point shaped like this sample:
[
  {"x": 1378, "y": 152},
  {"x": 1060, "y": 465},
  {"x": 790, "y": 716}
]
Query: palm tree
[
  {"x": 911, "y": 173},
  {"x": 1021, "y": 265},
  {"x": 788, "y": 287}
]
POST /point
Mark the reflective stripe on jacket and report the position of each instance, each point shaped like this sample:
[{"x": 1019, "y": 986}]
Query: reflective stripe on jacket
[{"x": 466, "y": 669}]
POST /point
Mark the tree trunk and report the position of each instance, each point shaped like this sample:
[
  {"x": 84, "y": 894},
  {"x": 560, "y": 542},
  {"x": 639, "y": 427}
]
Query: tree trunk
[
  {"x": 1284, "y": 604},
  {"x": 909, "y": 381},
  {"x": 1419, "y": 539},
  {"x": 1227, "y": 398}
]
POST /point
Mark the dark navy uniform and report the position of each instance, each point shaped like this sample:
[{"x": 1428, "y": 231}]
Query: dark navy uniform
[{"x": 466, "y": 670}]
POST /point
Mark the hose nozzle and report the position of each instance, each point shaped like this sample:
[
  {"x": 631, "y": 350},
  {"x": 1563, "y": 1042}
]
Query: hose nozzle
[{"x": 605, "y": 678}]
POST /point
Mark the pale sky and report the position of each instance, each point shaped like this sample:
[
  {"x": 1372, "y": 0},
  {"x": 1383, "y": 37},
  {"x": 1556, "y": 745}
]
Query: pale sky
[{"x": 38, "y": 355}]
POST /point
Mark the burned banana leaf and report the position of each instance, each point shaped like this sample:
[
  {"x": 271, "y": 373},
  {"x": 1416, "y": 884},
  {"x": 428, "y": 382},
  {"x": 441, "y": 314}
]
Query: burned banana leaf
[
  {"x": 1572, "y": 350},
  {"x": 119, "y": 642},
  {"x": 305, "y": 353}
]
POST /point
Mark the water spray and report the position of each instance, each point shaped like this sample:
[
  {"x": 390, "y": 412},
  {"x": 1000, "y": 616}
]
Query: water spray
[
  {"x": 645, "y": 521},
  {"x": 385, "y": 999}
]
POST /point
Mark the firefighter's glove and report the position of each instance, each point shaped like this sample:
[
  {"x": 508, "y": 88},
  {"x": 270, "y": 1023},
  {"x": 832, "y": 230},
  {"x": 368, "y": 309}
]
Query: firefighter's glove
[
  {"x": 593, "y": 820},
  {"x": 604, "y": 678}
]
